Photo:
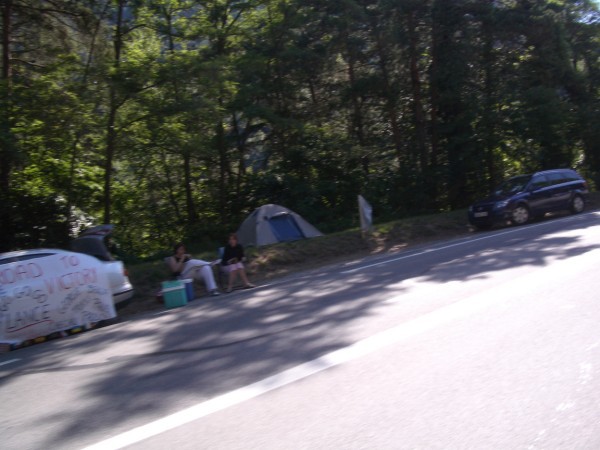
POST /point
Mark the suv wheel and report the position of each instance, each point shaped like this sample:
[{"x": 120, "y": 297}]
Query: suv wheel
[
  {"x": 577, "y": 204},
  {"x": 520, "y": 215}
]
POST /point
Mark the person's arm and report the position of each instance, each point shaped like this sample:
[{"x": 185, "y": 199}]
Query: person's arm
[{"x": 177, "y": 266}]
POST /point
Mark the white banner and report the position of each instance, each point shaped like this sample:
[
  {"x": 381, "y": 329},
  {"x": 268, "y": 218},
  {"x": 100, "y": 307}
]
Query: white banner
[
  {"x": 43, "y": 295},
  {"x": 365, "y": 212}
]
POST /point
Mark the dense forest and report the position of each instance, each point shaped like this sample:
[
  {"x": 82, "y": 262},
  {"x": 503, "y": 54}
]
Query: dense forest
[{"x": 175, "y": 118}]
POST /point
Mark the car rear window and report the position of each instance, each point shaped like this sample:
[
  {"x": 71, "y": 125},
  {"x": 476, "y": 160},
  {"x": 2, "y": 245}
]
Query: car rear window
[{"x": 92, "y": 245}]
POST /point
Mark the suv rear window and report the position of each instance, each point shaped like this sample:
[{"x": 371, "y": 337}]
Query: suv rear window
[
  {"x": 540, "y": 181},
  {"x": 557, "y": 177},
  {"x": 572, "y": 176},
  {"x": 513, "y": 185},
  {"x": 92, "y": 245}
]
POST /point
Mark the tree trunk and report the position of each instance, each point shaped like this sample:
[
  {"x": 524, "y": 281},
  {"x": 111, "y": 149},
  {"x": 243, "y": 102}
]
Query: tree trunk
[
  {"x": 111, "y": 133},
  {"x": 241, "y": 137},
  {"x": 187, "y": 179},
  {"x": 223, "y": 166},
  {"x": 6, "y": 143},
  {"x": 489, "y": 87},
  {"x": 419, "y": 115},
  {"x": 390, "y": 102},
  {"x": 435, "y": 186},
  {"x": 356, "y": 122}
]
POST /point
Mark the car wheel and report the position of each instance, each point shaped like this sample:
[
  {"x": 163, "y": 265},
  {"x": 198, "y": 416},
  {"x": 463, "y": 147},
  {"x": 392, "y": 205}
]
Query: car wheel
[
  {"x": 577, "y": 204},
  {"x": 520, "y": 215}
]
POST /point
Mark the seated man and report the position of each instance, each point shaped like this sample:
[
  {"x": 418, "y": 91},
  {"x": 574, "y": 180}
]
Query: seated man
[{"x": 183, "y": 266}]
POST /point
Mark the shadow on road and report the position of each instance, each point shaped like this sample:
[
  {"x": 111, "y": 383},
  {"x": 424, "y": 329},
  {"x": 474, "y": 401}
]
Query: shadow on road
[{"x": 513, "y": 250}]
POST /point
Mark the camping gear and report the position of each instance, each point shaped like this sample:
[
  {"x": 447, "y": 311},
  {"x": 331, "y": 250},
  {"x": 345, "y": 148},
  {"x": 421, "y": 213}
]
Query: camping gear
[
  {"x": 189, "y": 288},
  {"x": 270, "y": 224},
  {"x": 174, "y": 294}
]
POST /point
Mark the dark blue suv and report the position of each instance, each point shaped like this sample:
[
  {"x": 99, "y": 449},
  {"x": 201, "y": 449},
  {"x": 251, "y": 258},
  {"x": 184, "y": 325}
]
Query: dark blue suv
[{"x": 523, "y": 197}]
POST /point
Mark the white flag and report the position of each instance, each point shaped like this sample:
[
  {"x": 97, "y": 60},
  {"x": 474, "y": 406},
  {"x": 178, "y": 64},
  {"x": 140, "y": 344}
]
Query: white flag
[{"x": 365, "y": 212}]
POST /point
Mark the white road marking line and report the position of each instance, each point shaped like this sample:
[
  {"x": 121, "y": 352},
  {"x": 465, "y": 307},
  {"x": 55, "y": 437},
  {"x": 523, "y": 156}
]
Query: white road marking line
[
  {"x": 9, "y": 361},
  {"x": 357, "y": 350},
  {"x": 456, "y": 244}
]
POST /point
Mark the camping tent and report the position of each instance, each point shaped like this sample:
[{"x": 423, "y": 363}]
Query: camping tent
[{"x": 270, "y": 224}]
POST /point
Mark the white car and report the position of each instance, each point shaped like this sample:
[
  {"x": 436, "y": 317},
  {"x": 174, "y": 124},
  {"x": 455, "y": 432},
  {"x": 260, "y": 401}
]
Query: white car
[
  {"x": 46, "y": 291},
  {"x": 119, "y": 283},
  {"x": 93, "y": 242}
]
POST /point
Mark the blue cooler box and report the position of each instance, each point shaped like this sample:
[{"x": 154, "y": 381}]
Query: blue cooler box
[
  {"x": 189, "y": 288},
  {"x": 174, "y": 294}
]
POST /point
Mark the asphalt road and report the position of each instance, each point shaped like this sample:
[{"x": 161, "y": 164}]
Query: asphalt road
[{"x": 491, "y": 342}]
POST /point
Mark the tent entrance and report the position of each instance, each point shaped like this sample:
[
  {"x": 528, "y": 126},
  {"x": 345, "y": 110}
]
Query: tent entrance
[{"x": 285, "y": 228}]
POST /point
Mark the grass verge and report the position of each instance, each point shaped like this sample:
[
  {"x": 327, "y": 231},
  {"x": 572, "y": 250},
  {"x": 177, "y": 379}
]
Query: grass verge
[{"x": 275, "y": 261}]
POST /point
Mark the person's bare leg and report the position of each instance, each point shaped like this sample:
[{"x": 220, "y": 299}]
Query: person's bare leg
[
  {"x": 232, "y": 277},
  {"x": 245, "y": 278}
]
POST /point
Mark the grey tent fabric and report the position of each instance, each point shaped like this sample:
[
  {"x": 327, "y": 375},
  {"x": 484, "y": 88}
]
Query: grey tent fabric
[{"x": 270, "y": 224}]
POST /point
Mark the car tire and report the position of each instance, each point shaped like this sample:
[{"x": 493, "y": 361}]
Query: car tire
[
  {"x": 577, "y": 204},
  {"x": 520, "y": 215}
]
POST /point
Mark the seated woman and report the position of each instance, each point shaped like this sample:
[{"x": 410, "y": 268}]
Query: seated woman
[
  {"x": 232, "y": 262},
  {"x": 183, "y": 266}
]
